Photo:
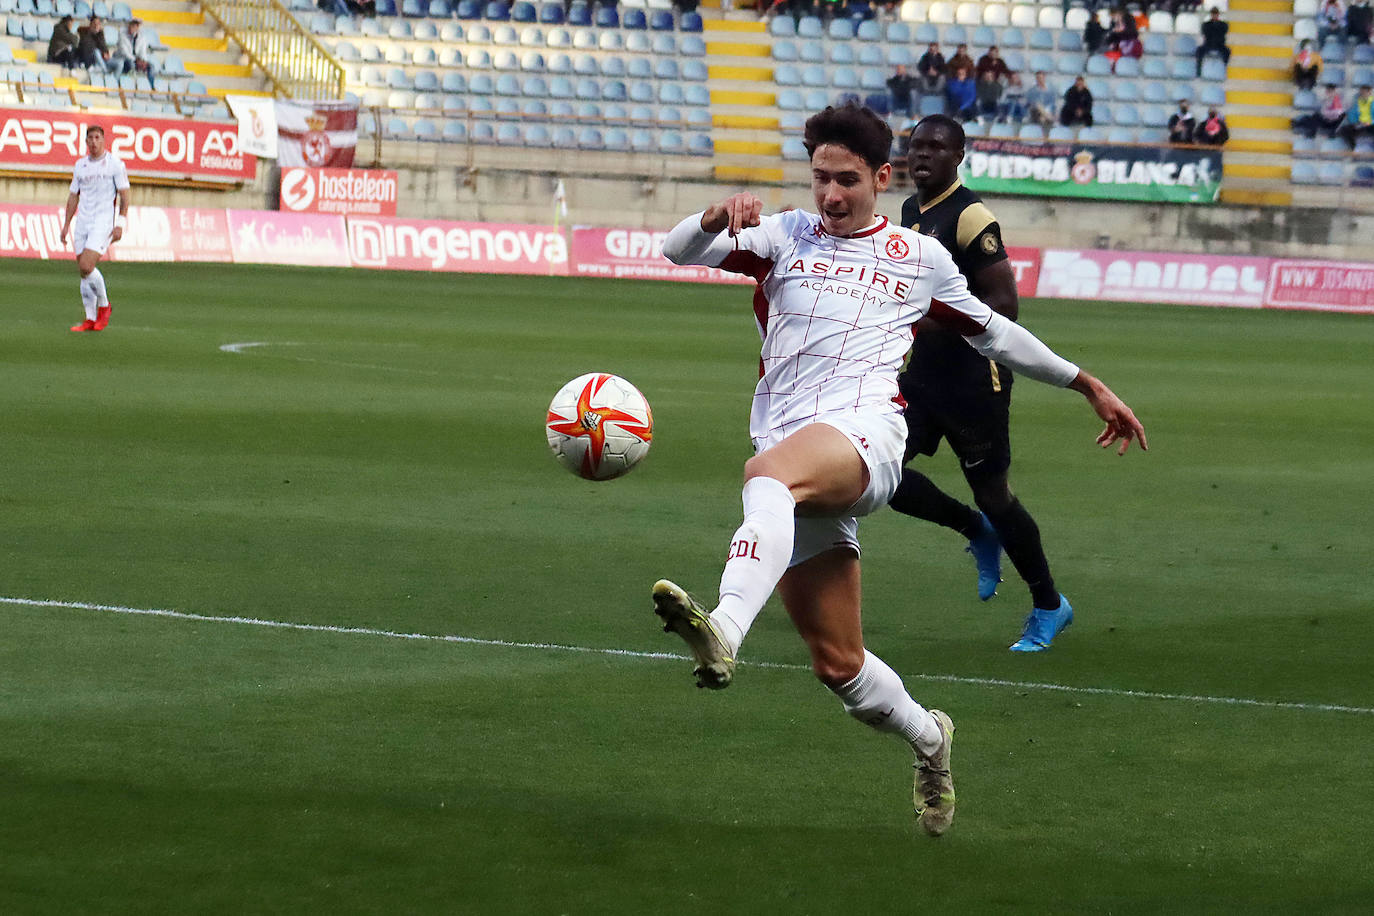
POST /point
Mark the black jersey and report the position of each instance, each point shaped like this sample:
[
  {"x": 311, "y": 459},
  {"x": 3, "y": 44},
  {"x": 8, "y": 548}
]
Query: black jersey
[{"x": 960, "y": 221}]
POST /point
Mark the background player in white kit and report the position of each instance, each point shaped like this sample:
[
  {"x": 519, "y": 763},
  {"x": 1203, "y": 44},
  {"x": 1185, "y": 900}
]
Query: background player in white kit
[
  {"x": 99, "y": 183},
  {"x": 838, "y": 294}
]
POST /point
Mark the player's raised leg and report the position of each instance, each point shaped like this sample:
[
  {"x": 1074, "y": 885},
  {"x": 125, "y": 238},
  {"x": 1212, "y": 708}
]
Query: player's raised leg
[{"x": 822, "y": 598}]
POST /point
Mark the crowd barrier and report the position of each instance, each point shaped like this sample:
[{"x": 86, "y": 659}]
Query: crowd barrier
[{"x": 395, "y": 243}]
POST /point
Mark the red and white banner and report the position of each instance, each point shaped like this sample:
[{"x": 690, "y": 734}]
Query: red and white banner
[
  {"x": 485, "y": 248},
  {"x": 174, "y": 234},
  {"x": 51, "y": 141},
  {"x": 28, "y": 231},
  {"x": 316, "y": 134},
  {"x": 1341, "y": 286},
  {"x": 1147, "y": 276},
  {"x": 1025, "y": 264},
  {"x": 636, "y": 253},
  {"x": 369, "y": 192},
  {"x": 272, "y": 237}
]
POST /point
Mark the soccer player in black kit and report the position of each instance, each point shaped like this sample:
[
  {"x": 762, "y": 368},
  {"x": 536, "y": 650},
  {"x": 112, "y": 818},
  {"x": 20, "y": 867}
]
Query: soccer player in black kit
[{"x": 953, "y": 393}]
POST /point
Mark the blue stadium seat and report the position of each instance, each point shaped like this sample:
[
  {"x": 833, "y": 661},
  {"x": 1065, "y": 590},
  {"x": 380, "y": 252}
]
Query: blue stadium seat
[
  {"x": 1331, "y": 173},
  {"x": 606, "y": 17},
  {"x": 670, "y": 115},
  {"x": 1126, "y": 116},
  {"x": 1182, "y": 69},
  {"x": 524, "y": 11},
  {"x": 1305, "y": 100},
  {"x": 700, "y": 145},
  {"x": 787, "y": 75},
  {"x": 496, "y": 11},
  {"x": 671, "y": 94},
  {"x": 1040, "y": 40},
  {"x": 868, "y": 30},
  {"x": 1154, "y": 116},
  {"x": 1125, "y": 91},
  {"x": 469, "y": 9},
  {"x": 560, "y": 87},
  {"x": 615, "y": 114},
  {"x": 564, "y": 137},
  {"x": 696, "y": 94},
  {"x": 1155, "y": 68},
  {"x": 789, "y": 100},
  {"x": 551, "y": 14},
  {"x": 590, "y": 138},
  {"x": 692, "y": 46},
  {"x": 509, "y": 135},
  {"x": 785, "y": 51},
  {"x": 1097, "y": 66},
  {"x": 455, "y": 132},
  {"x": 641, "y": 141},
  {"x": 661, "y": 21},
  {"x": 1031, "y": 132},
  {"x": 813, "y": 52},
  {"x": 1213, "y": 70},
  {"x": 1068, "y": 65},
  {"x": 816, "y": 99},
  {"x": 665, "y": 43},
  {"x": 1184, "y": 46},
  {"x": 614, "y": 91},
  {"x": 1041, "y": 61},
  {"x": 1091, "y": 135},
  {"x": 453, "y": 81},
  {"x": 1304, "y": 144},
  {"x": 931, "y": 105},
  {"x": 794, "y": 149},
  {"x": 412, "y": 8},
  {"x": 1155, "y": 44},
  {"x": 617, "y": 140},
  {"x": 586, "y": 65},
  {"x": 642, "y": 92},
  {"x": 533, "y": 62},
  {"x": 538, "y": 135},
  {"x": 810, "y": 27},
  {"x": 634, "y": 19},
  {"x": 691, "y": 22},
  {"x": 611, "y": 40},
  {"x": 841, "y": 52},
  {"x": 814, "y": 76},
  {"x": 505, "y": 61},
  {"x": 782, "y": 27},
  {"x": 1059, "y": 133},
  {"x": 666, "y": 68},
  {"x": 872, "y": 56},
  {"x": 560, "y": 63},
  {"x": 612, "y": 65},
  {"x": 1212, "y": 95},
  {"x": 900, "y": 54},
  {"x": 482, "y": 133},
  {"x": 426, "y": 81},
  {"x": 844, "y": 78},
  {"x": 534, "y": 87},
  {"x": 584, "y": 39},
  {"x": 898, "y": 33},
  {"x": 1362, "y": 54},
  {"x": 1120, "y": 135},
  {"x": 925, "y": 33},
  {"x": 956, "y": 34},
  {"x": 1128, "y": 67},
  {"x": 670, "y": 141},
  {"x": 1002, "y": 131}
]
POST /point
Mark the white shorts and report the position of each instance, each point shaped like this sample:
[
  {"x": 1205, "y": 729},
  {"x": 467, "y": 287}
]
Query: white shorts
[
  {"x": 880, "y": 439},
  {"x": 92, "y": 237}
]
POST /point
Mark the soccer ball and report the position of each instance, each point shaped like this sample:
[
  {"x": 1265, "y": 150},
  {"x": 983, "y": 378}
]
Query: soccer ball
[{"x": 599, "y": 426}]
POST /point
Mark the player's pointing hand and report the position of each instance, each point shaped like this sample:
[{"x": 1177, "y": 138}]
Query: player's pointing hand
[{"x": 737, "y": 212}]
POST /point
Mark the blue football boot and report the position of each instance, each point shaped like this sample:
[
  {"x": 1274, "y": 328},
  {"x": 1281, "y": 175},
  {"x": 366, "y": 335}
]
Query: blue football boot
[
  {"x": 1042, "y": 626},
  {"x": 987, "y": 555}
]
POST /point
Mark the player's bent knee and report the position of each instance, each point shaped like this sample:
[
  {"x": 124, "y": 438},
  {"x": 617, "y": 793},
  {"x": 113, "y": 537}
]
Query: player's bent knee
[{"x": 834, "y": 667}]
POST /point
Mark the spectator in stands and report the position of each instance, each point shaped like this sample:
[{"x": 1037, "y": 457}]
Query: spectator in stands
[
  {"x": 931, "y": 61},
  {"x": 1123, "y": 29},
  {"x": 1307, "y": 65},
  {"x": 857, "y": 10},
  {"x": 1214, "y": 39},
  {"x": 1181, "y": 125},
  {"x": 989, "y": 94},
  {"x": 902, "y": 85},
  {"x": 1078, "y": 105},
  {"x": 1040, "y": 102},
  {"x": 62, "y": 45},
  {"x": 930, "y": 82},
  {"x": 1359, "y": 120},
  {"x": 1331, "y": 19},
  {"x": 993, "y": 63},
  {"x": 131, "y": 53},
  {"x": 1332, "y": 111},
  {"x": 1094, "y": 35},
  {"x": 91, "y": 49},
  {"x": 337, "y": 7},
  {"x": 960, "y": 59},
  {"x": 1213, "y": 131},
  {"x": 961, "y": 95},
  {"x": 1013, "y": 106},
  {"x": 1359, "y": 19}
]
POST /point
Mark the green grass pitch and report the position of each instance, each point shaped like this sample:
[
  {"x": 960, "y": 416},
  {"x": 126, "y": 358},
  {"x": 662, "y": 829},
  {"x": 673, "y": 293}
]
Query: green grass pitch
[{"x": 378, "y": 462}]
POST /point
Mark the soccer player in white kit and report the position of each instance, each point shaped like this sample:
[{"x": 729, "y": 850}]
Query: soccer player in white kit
[
  {"x": 838, "y": 293},
  {"x": 99, "y": 184}
]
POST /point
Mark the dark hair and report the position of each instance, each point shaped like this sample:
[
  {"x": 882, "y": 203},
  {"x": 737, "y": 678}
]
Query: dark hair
[
  {"x": 951, "y": 126},
  {"x": 854, "y": 127},
  {"x": 94, "y": 128}
]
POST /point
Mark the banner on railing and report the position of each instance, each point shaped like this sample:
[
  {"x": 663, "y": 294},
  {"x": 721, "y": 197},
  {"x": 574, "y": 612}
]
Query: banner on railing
[
  {"x": 1144, "y": 173},
  {"x": 486, "y": 248},
  {"x": 1149, "y": 276},
  {"x": 1340, "y": 286},
  {"x": 174, "y": 234},
  {"x": 51, "y": 141},
  {"x": 636, "y": 253},
  {"x": 316, "y": 134},
  {"x": 273, "y": 237},
  {"x": 367, "y": 192}
]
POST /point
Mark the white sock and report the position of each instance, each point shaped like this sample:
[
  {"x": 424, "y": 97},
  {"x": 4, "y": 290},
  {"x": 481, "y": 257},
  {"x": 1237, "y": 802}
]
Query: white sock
[
  {"x": 759, "y": 553},
  {"x": 877, "y": 698},
  {"x": 98, "y": 283},
  {"x": 88, "y": 297}
]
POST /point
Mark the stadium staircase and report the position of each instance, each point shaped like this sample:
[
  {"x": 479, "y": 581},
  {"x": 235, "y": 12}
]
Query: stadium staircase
[
  {"x": 1259, "y": 95},
  {"x": 206, "y": 54},
  {"x": 746, "y": 129}
]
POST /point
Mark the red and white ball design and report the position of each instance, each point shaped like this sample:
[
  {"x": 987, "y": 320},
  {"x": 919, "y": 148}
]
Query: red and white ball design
[{"x": 599, "y": 426}]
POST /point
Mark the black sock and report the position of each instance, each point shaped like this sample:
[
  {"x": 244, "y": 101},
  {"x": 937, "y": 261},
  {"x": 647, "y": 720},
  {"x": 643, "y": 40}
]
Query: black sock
[
  {"x": 1020, "y": 538},
  {"x": 918, "y": 497}
]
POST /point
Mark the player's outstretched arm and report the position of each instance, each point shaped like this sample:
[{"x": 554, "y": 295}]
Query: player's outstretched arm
[
  {"x": 702, "y": 238},
  {"x": 1121, "y": 420}
]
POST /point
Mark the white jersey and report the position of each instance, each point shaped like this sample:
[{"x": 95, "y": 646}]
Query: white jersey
[
  {"x": 98, "y": 181},
  {"x": 836, "y": 314}
]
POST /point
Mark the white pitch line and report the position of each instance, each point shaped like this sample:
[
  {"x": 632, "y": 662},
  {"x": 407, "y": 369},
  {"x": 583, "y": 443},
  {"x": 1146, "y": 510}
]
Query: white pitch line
[{"x": 632, "y": 653}]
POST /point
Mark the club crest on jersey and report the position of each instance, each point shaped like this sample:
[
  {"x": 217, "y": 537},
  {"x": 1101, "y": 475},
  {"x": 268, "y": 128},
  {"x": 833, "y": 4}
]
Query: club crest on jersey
[{"x": 896, "y": 247}]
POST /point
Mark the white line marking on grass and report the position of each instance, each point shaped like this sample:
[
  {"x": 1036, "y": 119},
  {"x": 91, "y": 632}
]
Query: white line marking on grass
[
  {"x": 633, "y": 653},
  {"x": 247, "y": 345}
]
